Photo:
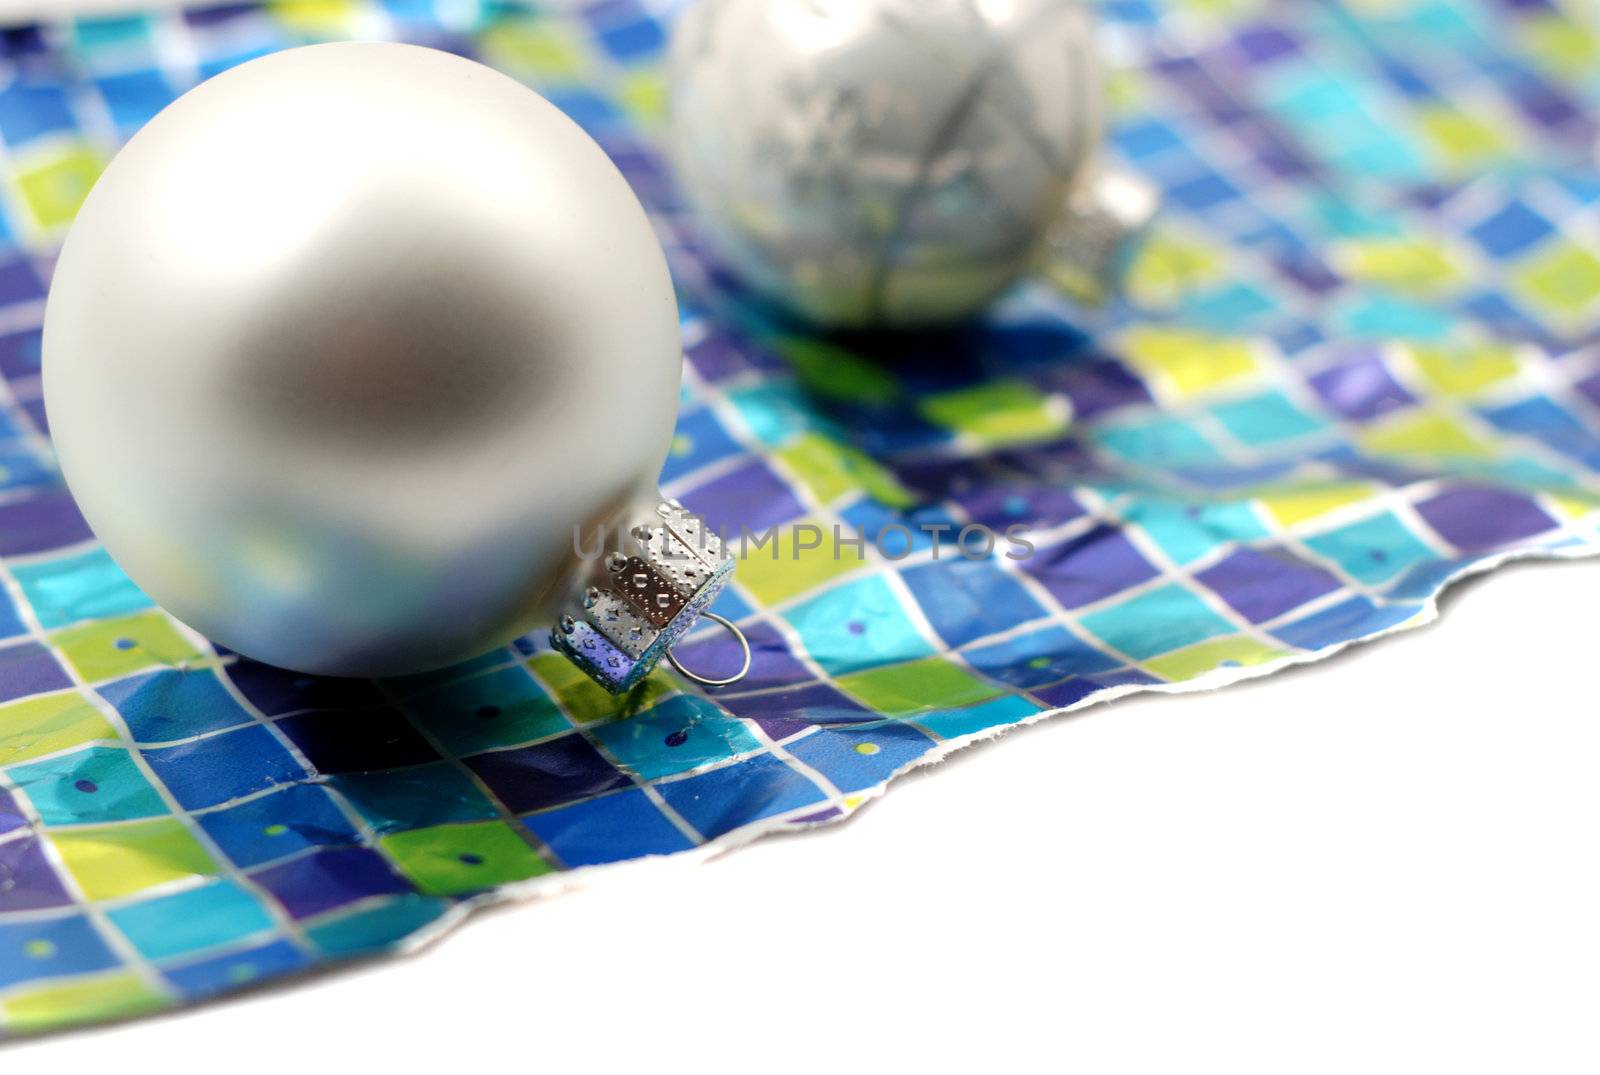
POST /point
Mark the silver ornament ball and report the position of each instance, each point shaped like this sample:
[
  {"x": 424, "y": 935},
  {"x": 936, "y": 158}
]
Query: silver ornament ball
[
  {"x": 342, "y": 347},
  {"x": 886, "y": 162}
]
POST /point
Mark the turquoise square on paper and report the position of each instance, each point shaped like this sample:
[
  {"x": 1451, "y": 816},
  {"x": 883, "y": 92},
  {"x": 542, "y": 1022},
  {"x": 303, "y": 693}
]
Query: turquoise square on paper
[
  {"x": 955, "y": 723},
  {"x": 86, "y": 586},
  {"x": 1372, "y": 551},
  {"x": 393, "y": 800},
  {"x": 1159, "y": 442},
  {"x": 1267, "y": 419},
  {"x": 774, "y": 413},
  {"x": 497, "y": 709},
  {"x": 213, "y": 914},
  {"x": 1186, "y": 532},
  {"x": 1157, "y": 622},
  {"x": 97, "y": 784},
  {"x": 682, "y": 733},
  {"x": 858, "y": 625}
]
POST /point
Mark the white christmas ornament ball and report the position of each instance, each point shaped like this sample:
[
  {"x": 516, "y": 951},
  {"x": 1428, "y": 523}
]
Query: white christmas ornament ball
[
  {"x": 344, "y": 344},
  {"x": 884, "y": 162}
]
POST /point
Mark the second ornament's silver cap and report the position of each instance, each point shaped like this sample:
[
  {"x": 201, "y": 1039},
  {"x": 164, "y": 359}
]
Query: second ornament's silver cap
[{"x": 640, "y": 596}]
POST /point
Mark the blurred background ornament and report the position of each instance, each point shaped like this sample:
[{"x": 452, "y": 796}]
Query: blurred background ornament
[
  {"x": 344, "y": 346},
  {"x": 899, "y": 163}
]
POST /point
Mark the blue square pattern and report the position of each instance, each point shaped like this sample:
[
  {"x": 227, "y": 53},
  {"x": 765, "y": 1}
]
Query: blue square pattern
[
  {"x": 969, "y": 599},
  {"x": 860, "y": 624},
  {"x": 226, "y": 766},
  {"x": 622, "y": 825},
  {"x": 216, "y": 913},
  {"x": 721, "y": 800},
  {"x": 1039, "y": 657},
  {"x": 51, "y": 948},
  {"x": 209, "y": 976},
  {"x": 174, "y": 704},
  {"x": 860, "y": 756},
  {"x": 278, "y": 825}
]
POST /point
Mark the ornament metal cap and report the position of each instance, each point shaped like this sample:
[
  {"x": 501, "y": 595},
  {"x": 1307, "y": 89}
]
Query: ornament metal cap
[{"x": 633, "y": 603}]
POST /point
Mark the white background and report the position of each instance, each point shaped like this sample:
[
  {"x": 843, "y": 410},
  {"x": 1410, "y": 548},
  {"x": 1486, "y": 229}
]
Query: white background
[{"x": 1386, "y": 862}]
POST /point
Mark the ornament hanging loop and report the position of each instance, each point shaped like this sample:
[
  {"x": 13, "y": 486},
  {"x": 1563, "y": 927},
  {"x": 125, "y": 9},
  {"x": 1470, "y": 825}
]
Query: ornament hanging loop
[{"x": 744, "y": 646}]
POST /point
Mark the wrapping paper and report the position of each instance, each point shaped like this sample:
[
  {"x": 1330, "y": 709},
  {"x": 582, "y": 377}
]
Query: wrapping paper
[{"x": 1357, "y": 360}]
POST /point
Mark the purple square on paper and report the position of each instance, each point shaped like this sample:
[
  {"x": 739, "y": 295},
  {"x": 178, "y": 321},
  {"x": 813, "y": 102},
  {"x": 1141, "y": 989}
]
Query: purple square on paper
[
  {"x": 1264, "y": 42},
  {"x": 1474, "y": 518},
  {"x": 47, "y": 521},
  {"x": 771, "y": 663},
  {"x": 1263, "y": 584},
  {"x": 547, "y": 774},
  {"x": 780, "y": 714},
  {"x": 28, "y": 668},
  {"x": 277, "y": 691},
  {"x": 751, "y": 496},
  {"x": 27, "y": 881},
  {"x": 1087, "y": 568},
  {"x": 1100, "y": 385},
  {"x": 10, "y": 814},
  {"x": 328, "y": 879},
  {"x": 1361, "y": 387}
]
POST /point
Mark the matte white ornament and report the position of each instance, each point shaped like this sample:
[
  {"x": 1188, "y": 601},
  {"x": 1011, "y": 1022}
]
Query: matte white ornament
[
  {"x": 342, "y": 347},
  {"x": 897, "y": 162}
]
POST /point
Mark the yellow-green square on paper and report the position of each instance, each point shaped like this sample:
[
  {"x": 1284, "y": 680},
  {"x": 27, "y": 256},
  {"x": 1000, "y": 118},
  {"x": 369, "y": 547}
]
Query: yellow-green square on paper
[
  {"x": 781, "y": 568},
  {"x": 116, "y": 995},
  {"x": 1463, "y": 140},
  {"x": 111, "y": 649},
  {"x": 999, "y": 412},
  {"x": 535, "y": 45},
  {"x": 831, "y": 470},
  {"x": 447, "y": 860},
  {"x": 56, "y": 187},
  {"x": 1563, "y": 278},
  {"x": 1191, "y": 362},
  {"x": 47, "y": 723},
  {"x": 1464, "y": 371},
  {"x": 1427, "y": 434},
  {"x": 1416, "y": 267},
  {"x": 109, "y": 861},
  {"x": 1237, "y": 651},
  {"x": 1291, "y": 507},
  {"x": 584, "y": 700},
  {"x": 917, "y": 686}
]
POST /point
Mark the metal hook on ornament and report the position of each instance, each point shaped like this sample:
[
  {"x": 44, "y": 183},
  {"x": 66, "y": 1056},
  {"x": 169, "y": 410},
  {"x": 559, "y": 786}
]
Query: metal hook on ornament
[{"x": 744, "y": 646}]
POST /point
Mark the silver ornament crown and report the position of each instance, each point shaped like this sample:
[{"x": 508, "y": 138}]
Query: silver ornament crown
[{"x": 635, "y": 602}]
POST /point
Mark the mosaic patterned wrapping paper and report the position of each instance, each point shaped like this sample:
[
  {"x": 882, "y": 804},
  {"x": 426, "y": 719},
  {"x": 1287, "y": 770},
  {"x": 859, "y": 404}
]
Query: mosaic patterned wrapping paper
[{"x": 1358, "y": 359}]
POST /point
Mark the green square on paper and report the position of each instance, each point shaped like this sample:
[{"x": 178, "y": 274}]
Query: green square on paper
[
  {"x": 98, "y": 784},
  {"x": 1562, "y": 278},
  {"x": 998, "y": 412},
  {"x": 55, "y": 187},
  {"x": 109, "y": 861},
  {"x": 114, "y": 995},
  {"x": 830, "y": 470},
  {"x": 899, "y": 690},
  {"x": 1159, "y": 621},
  {"x": 585, "y": 700},
  {"x": 111, "y": 649},
  {"x": 782, "y": 568},
  {"x": 447, "y": 860},
  {"x": 47, "y": 723},
  {"x": 1267, "y": 419}
]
